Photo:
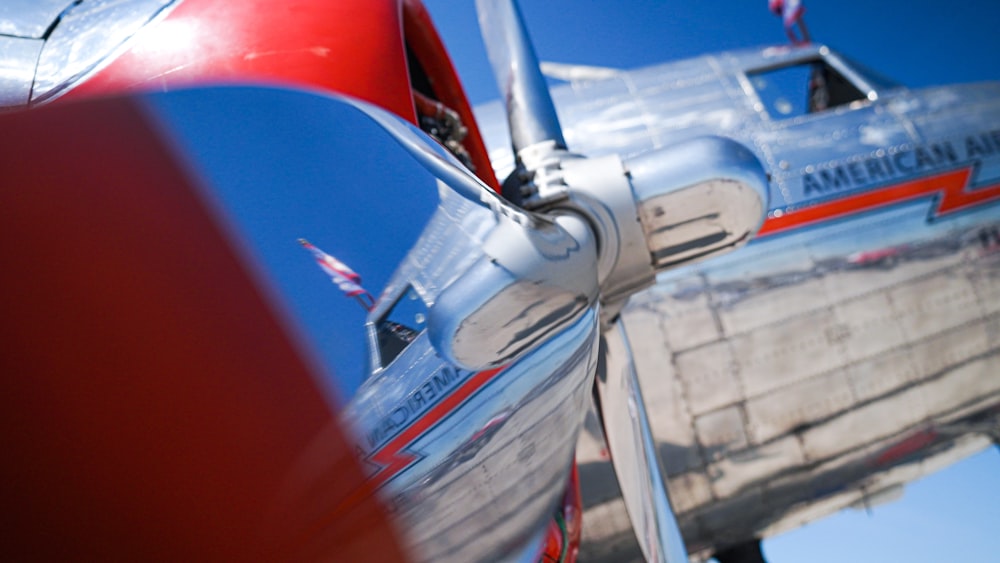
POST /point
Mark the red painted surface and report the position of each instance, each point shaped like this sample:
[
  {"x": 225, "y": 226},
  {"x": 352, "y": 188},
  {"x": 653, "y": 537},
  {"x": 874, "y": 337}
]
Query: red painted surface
[
  {"x": 152, "y": 405},
  {"x": 951, "y": 188},
  {"x": 349, "y": 46},
  {"x": 881, "y": 255},
  {"x": 572, "y": 510},
  {"x": 907, "y": 447},
  {"x": 354, "y": 47},
  {"x": 555, "y": 543}
]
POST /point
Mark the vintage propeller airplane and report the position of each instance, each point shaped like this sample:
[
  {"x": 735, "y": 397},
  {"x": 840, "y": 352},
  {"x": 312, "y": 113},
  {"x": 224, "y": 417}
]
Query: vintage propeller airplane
[
  {"x": 176, "y": 395},
  {"x": 722, "y": 473}
]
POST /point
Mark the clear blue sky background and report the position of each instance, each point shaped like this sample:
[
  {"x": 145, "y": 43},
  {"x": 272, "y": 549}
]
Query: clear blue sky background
[{"x": 955, "y": 514}]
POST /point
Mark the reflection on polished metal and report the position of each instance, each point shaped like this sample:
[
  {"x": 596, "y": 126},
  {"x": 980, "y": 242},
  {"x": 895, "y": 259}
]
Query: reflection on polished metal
[
  {"x": 86, "y": 37},
  {"x": 30, "y": 18},
  {"x": 532, "y": 279},
  {"x": 698, "y": 199},
  {"x": 674, "y": 205},
  {"x": 481, "y": 476},
  {"x": 663, "y": 209},
  {"x": 54, "y": 43},
  {"x": 850, "y": 384},
  {"x": 638, "y": 466},
  {"x": 472, "y": 462},
  {"x": 819, "y": 364},
  {"x": 512, "y": 300},
  {"x": 508, "y": 289},
  {"x": 18, "y": 57},
  {"x": 852, "y": 347},
  {"x": 532, "y": 117}
]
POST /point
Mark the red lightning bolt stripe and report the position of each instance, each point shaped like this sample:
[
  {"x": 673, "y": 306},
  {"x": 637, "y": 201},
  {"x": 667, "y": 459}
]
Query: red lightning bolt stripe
[
  {"x": 394, "y": 458},
  {"x": 951, "y": 185}
]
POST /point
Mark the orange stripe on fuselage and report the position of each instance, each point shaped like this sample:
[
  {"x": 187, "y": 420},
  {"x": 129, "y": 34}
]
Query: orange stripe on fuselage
[
  {"x": 393, "y": 456},
  {"x": 952, "y": 186}
]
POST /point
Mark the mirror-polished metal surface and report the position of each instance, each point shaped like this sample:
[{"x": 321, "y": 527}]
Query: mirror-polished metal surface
[
  {"x": 30, "y": 18},
  {"x": 472, "y": 462},
  {"x": 545, "y": 276},
  {"x": 845, "y": 344},
  {"x": 531, "y": 115},
  {"x": 86, "y": 36},
  {"x": 666, "y": 208},
  {"x": 516, "y": 296},
  {"x": 637, "y": 463},
  {"x": 862, "y": 355},
  {"x": 795, "y": 376},
  {"x": 18, "y": 57},
  {"x": 698, "y": 199},
  {"x": 48, "y": 46}
]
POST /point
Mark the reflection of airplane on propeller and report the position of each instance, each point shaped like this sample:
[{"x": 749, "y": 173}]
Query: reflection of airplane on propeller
[{"x": 742, "y": 388}]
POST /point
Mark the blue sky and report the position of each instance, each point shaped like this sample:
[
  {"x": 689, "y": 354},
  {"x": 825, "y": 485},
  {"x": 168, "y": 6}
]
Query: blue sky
[
  {"x": 953, "y": 515},
  {"x": 281, "y": 177},
  {"x": 918, "y": 43}
]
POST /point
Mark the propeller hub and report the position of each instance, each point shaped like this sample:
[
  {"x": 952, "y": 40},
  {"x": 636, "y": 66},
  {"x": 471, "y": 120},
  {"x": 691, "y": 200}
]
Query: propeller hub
[{"x": 663, "y": 209}]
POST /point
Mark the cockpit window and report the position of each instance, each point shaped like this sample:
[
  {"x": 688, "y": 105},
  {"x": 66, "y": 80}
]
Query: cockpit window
[
  {"x": 400, "y": 326},
  {"x": 808, "y": 87}
]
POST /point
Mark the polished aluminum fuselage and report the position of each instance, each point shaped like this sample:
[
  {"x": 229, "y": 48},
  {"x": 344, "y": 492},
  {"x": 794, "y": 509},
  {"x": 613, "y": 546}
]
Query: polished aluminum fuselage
[
  {"x": 853, "y": 346},
  {"x": 477, "y": 478},
  {"x": 471, "y": 446}
]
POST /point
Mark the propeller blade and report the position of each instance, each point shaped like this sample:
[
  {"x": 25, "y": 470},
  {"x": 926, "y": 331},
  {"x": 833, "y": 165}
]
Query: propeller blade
[
  {"x": 633, "y": 453},
  {"x": 530, "y": 111},
  {"x": 665, "y": 208}
]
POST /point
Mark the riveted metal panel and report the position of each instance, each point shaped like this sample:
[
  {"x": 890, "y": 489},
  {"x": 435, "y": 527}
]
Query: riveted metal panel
[
  {"x": 737, "y": 472},
  {"x": 689, "y": 491},
  {"x": 948, "y": 349},
  {"x": 780, "y": 354},
  {"x": 803, "y": 403},
  {"x": 709, "y": 378},
  {"x": 881, "y": 375},
  {"x": 721, "y": 431},
  {"x": 664, "y": 394},
  {"x": 873, "y": 421},
  {"x": 688, "y": 319},
  {"x": 938, "y": 302},
  {"x": 867, "y": 326}
]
